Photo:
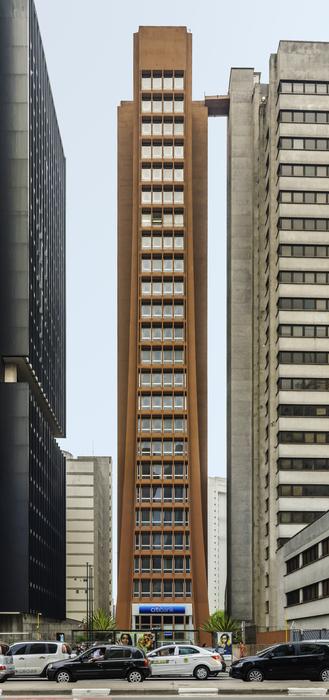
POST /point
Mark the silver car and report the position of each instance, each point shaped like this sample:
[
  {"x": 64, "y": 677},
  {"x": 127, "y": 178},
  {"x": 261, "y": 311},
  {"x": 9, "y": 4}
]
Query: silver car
[{"x": 7, "y": 668}]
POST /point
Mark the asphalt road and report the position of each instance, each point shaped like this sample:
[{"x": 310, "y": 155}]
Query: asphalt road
[{"x": 157, "y": 697}]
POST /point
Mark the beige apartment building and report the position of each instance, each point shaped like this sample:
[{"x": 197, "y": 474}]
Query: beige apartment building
[
  {"x": 88, "y": 535},
  {"x": 278, "y": 320}
]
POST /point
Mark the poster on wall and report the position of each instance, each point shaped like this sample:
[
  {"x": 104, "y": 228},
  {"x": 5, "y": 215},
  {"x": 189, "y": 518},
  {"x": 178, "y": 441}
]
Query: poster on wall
[{"x": 224, "y": 644}]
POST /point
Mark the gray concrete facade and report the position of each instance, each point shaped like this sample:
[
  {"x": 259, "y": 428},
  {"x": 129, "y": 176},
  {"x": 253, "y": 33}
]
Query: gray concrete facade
[{"x": 278, "y": 332}]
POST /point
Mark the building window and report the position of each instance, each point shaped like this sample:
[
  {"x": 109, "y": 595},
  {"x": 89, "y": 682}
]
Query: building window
[
  {"x": 293, "y": 597},
  {"x": 294, "y": 277},
  {"x": 303, "y": 410},
  {"x": 299, "y": 464},
  {"x": 295, "y": 304},
  {"x": 292, "y": 564},
  {"x": 310, "y": 592},
  {"x": 303, "y": 117},
  {"x": 302, "y": 170},
  {"x": 300, "y": 144},
  {"x": 311, "y": 554},
  {"x": 303, "y": 384},
  {"x": 298, "y": 517},
  {"x": 298, "y": 437},
  {"x": 303, "y": 251},
  {"x": 303, "y": 358}
]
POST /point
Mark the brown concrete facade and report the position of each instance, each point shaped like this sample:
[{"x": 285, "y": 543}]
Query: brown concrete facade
[{"x": 162, "y": 332}]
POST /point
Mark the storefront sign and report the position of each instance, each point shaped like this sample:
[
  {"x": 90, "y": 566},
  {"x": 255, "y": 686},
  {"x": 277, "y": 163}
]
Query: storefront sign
[{"x": 162, "y": 609}]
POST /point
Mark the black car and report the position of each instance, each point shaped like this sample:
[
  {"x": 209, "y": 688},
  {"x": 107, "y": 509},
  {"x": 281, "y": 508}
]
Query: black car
[
  {"x": 102, "y": 661},
  {"x": 290, "y": 661}
]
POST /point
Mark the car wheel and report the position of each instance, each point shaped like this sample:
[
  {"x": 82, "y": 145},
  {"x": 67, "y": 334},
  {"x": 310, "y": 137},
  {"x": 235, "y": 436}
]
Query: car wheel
[
  {"x": 135, "y": 676},
  {"x": 324, "y": 675},
  {"x": 201, "y": 673},
  {"x": 255, "y": 674},
  {"x": 63, "y": 677}
]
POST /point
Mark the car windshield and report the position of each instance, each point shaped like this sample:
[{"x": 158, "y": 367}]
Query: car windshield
[{"x": 264, "y": 652}]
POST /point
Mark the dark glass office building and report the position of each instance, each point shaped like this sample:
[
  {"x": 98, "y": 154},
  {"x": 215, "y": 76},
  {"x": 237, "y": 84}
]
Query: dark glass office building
[{"x": 32, "y": 323}]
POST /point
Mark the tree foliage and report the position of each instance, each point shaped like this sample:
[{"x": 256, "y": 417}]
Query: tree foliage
[
  {"x": 219, "y": 621},
  {"x": 102, "y": 621}
]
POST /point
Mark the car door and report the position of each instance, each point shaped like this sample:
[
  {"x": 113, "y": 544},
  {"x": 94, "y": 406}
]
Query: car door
[
  {"x": 115, "y": 663},
  {"x": 186, "y": 660},
  {"x": 163, "y": 661},
  {"x": 87, "y": 666},
  {"x": 310, "y": 659},
  {"x": 18, "y": 652},
  {"x": 35, "y": 659},
  {"x": 281, "y": 662}
]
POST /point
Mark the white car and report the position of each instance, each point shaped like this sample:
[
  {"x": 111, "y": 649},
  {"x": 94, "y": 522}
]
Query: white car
[
  {"x": 32, "y": 658},
  {"x": 184, "y": 660}
]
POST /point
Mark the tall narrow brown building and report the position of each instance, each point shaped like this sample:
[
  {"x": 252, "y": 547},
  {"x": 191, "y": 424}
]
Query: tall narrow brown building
[{"x": 162, "y": 341}]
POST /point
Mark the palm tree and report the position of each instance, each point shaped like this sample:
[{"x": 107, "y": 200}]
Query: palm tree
[
  {"x": 102, "y": 621},
  {"x": 219, "y": 621}
]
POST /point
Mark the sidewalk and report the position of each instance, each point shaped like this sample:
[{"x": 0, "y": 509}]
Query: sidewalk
[{"x": 154, "y": 687}]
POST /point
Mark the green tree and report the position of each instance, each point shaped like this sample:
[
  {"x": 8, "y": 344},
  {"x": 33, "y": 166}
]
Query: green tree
[
  {"x": 219, "y": 621},
  {"x": 102, "y": 621}
]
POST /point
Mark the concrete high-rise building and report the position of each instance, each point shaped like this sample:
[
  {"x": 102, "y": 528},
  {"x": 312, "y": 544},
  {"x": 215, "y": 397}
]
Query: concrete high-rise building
[
  {"x": 217, "y": 543},
  {"x": 32, "y": 326},
  {"x": 88, "y": 535},
  {"x": 162, "y": 340},
  {"x": 278, "y": 337}
]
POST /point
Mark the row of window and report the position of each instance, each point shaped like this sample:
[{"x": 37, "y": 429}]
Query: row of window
[
  {"x": 159, "y": 424},
  {"x": 162, "y": 173},
  {"x": 166, "y": 470},
  {"x": 162, "y": 516},
  {"x": 296, "y": 143},
  {"x": 162, "y": 80},
  {"x": 303, "y": 410},
  {"x": 303, "y": 251},
  {"x": 303, "y": 358},
  {"x": 304, "y": 490},
  {"x": 298, "y": 197},
  {"x": 162, "y": 589},
  {"x": 303, "y": 384},
  {"x": 298, "y": 517},
  {"x": 165, "y": 242},
  {"x": 158, "y": 310},
  {"x": 157, "y": 105},
  {"x": 162, "y": 356},
  {"x": 286, "y": 331},
  {"x": 305, "y": 463},
  {"x": 308, "y": 556},
  {"x": 162, "y": 540},
  {"x": 164, "y": 333},
  {"x": 301, "y": 87},
  {"x": 164, "y": 218},
  {"x": 159, "y": 264},
  {"x": 302, "y": 224},
  {"x": 165, "y": 379},
  {"x": 296, "y": 277},
  {"x": 303, "y": 170},
  {"x": 155, "y": 494},
  {"x": 300, "y": 437},
  {"x": 308, "y": 593},
  {"x": 165, "y": 565},
  {"x": 162, "y": 196},
  {"x": 297, "y": 304},
  {"x": 297, "y": 116},
  {"x": 162, "y": 288},
  {"x": 162, "y": 151},
  {"x": 162, "y": 126},
  {"x": 166, "y": 402},
  {"x": 161, "y": 447}
]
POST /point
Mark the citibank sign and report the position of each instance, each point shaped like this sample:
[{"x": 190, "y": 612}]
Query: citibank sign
[{"x": 162, "y": 609}]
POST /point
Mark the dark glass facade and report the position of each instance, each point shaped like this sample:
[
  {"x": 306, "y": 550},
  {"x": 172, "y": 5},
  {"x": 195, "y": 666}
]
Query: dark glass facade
[{"x": 32, "y": 323}]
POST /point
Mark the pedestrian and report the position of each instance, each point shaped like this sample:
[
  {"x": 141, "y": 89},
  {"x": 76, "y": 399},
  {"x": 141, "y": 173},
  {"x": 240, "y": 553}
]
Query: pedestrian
[{"x": 242, "y": 650}]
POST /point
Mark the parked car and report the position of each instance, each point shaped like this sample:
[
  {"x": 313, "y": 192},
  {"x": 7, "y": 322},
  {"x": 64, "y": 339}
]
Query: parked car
[
  {"x": 33, "y": 658},
  {"x": 7, "y": 668},
  {"x": 103, "y": 661},
  {"x": 184, "y": 660},
  {"x": 297, "y": 660}
]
